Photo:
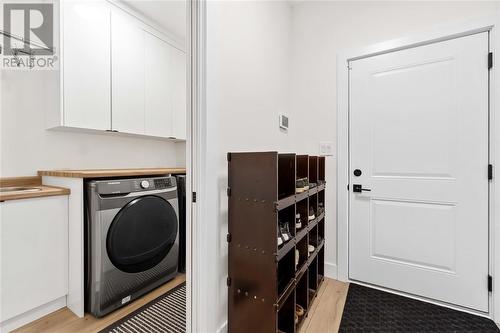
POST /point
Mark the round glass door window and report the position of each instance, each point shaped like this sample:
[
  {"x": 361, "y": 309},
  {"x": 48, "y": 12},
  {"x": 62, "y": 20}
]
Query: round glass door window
[{"x": 142, "y": 234}]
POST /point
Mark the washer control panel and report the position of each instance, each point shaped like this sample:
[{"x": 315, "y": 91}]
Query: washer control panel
[{"x": 123, "y": 186}]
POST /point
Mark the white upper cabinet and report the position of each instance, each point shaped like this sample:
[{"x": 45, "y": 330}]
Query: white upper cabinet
[
  {"x": 119, "y": 73},
  {"x": 127, "y": 74},
  {"x": 178, "y": 92},
  {"x": 86, "y": 65},
  {"x": 158, "y": 87}
]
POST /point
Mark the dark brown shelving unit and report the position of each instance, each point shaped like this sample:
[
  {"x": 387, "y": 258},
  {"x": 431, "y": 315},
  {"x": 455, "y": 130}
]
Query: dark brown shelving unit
[{"x": 264, "y": 281}]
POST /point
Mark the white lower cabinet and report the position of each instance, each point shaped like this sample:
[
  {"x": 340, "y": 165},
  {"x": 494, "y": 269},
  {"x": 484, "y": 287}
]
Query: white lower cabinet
[{"x": 34, "y": 254}]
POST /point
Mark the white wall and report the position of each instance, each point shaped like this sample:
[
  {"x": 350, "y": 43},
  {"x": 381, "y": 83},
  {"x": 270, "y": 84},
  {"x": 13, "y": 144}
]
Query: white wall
[
  {"x": 248, "y": 81},
  {"x": 266, "y": 57},
  {"x": 320, "y": 30},
  {"x": 26, "y": 146}
]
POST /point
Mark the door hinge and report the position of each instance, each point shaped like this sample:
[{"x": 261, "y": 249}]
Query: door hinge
[
  {"x": 228, "y": 191},
  {"x": 348, "y": 187},
  {"x": 228, "y": 281},
  {"x": 229, "y": 157},
  {"x": 490, "y": 60},
  {"x": 228, "y": 238},
  {"x": 490, "y": 283},
  {"x": 194, "y": 197},
  {"x": 490, "y": 171}
]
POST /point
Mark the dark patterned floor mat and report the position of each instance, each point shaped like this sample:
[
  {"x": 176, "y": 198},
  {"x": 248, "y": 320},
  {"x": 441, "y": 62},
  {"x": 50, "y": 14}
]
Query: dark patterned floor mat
[
  {"x": 165, "y": 314},
  {"x": 371, "y": 310}
]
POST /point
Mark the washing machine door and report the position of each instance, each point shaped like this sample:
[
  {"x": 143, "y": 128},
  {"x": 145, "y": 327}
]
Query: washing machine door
[{"x": 142, "y": 234}]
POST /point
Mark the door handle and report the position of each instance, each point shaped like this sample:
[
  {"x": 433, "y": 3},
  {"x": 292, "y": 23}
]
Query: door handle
[{"x": 358, "y": 188}]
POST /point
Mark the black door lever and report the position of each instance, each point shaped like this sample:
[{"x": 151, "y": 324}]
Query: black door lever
[{"x": 359, "y": 188}]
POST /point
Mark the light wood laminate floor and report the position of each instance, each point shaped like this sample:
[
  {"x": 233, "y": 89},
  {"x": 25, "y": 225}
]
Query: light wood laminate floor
[
  {"x": 65, "y": 321},
  {"x": 324, "y": 316},
  {"x": 327, "y": 308}
]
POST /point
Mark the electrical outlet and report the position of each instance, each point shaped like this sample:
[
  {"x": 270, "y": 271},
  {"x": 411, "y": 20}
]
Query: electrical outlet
[{"x": 326, "y": 148}]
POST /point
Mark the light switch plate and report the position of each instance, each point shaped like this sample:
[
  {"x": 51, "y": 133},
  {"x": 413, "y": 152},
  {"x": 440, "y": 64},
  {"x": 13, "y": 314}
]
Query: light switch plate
[{"x": 326, "y": 148}]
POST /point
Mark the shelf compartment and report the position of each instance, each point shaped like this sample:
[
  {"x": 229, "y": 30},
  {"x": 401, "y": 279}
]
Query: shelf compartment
[
  {"x": 314, "y": 255},
  {"x": 313, "y": 169},
  {"x": 284, "y": 295},
  {"x": 287, "y": 215},
  {"x": 313, "y": 273},
  {"x": 313, "y": 223},
  {"x": 286, "y": 315},
  {"x": 321, "y": 169},
  {"x": 301, "y": 196},
  {"x": 313, "y": 237},
  {"x": 286, "y": 175},
  {"x": 301, "y": 270},
  {"x": 302, "y": 209},
  {"x": 321, "y": 265},
  {"x": 311, "y": 294},
  {"x": 285, "y": 202},
  {"x": 300, "y": 233},
  {"x": 286, "y": 271},
  {"x": 302, "y": 166},
  {"x": 321, "y": 202},
  {"x": 302, "y": 248},
  {"x": 285, "y": 248},
  {"x": 321, "y": 230},
  {"x": 313, "y": 190},
  {"x": 313, "y": 202},
  {"x": 302, "y": 295}
]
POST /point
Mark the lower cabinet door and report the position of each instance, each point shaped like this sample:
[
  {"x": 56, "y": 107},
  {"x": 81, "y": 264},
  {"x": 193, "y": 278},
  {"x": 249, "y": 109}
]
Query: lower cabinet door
[{"x": 34, "y": 253}]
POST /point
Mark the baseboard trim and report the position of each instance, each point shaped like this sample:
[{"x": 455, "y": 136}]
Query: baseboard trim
[
  {"x": 32, "y": 315},
  {"x": 331, "y": 270},
  {"x": 222, "y": 328}
]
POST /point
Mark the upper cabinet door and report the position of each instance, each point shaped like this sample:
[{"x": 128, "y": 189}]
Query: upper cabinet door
[
  {"x": 127, "y": 74},
  {"x": 179, "y": 96},
  {"x": 86, "y": 64},
  {"x": 158, "y": 74}
]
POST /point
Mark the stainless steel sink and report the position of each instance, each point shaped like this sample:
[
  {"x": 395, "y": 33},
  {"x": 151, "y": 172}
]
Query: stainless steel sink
[{"x": 19, "y": 188}]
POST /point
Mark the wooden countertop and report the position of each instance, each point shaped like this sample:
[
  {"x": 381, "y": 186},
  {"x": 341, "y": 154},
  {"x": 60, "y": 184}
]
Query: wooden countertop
[
  {"x": 105, "y": 173},
  {"x": 31, "y": 182}
]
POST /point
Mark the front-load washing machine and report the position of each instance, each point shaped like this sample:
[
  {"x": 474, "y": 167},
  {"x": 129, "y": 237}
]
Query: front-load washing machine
[{"x": 131, "y": 237}]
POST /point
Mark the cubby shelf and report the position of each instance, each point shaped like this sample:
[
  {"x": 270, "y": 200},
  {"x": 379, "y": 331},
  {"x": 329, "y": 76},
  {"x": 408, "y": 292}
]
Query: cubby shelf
[
  {"x": 294, "y": 198},
  {"x": 264, "y": 280}
]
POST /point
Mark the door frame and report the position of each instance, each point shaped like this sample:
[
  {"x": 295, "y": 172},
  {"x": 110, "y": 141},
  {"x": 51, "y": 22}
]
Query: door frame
[
  {"x": 490, "y": 24},
  {"x": 197, "y": 259}
]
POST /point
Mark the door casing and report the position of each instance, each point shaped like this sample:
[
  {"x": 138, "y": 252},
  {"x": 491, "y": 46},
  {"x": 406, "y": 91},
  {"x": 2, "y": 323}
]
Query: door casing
[{"x": 489, "y": 24}]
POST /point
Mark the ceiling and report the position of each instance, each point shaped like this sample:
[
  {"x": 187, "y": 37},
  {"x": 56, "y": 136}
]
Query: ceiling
[{"x": 168, "y": 14}]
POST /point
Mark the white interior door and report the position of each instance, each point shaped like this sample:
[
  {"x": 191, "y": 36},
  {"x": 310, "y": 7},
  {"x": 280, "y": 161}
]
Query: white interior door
[{"x": 419, "y": 137}]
